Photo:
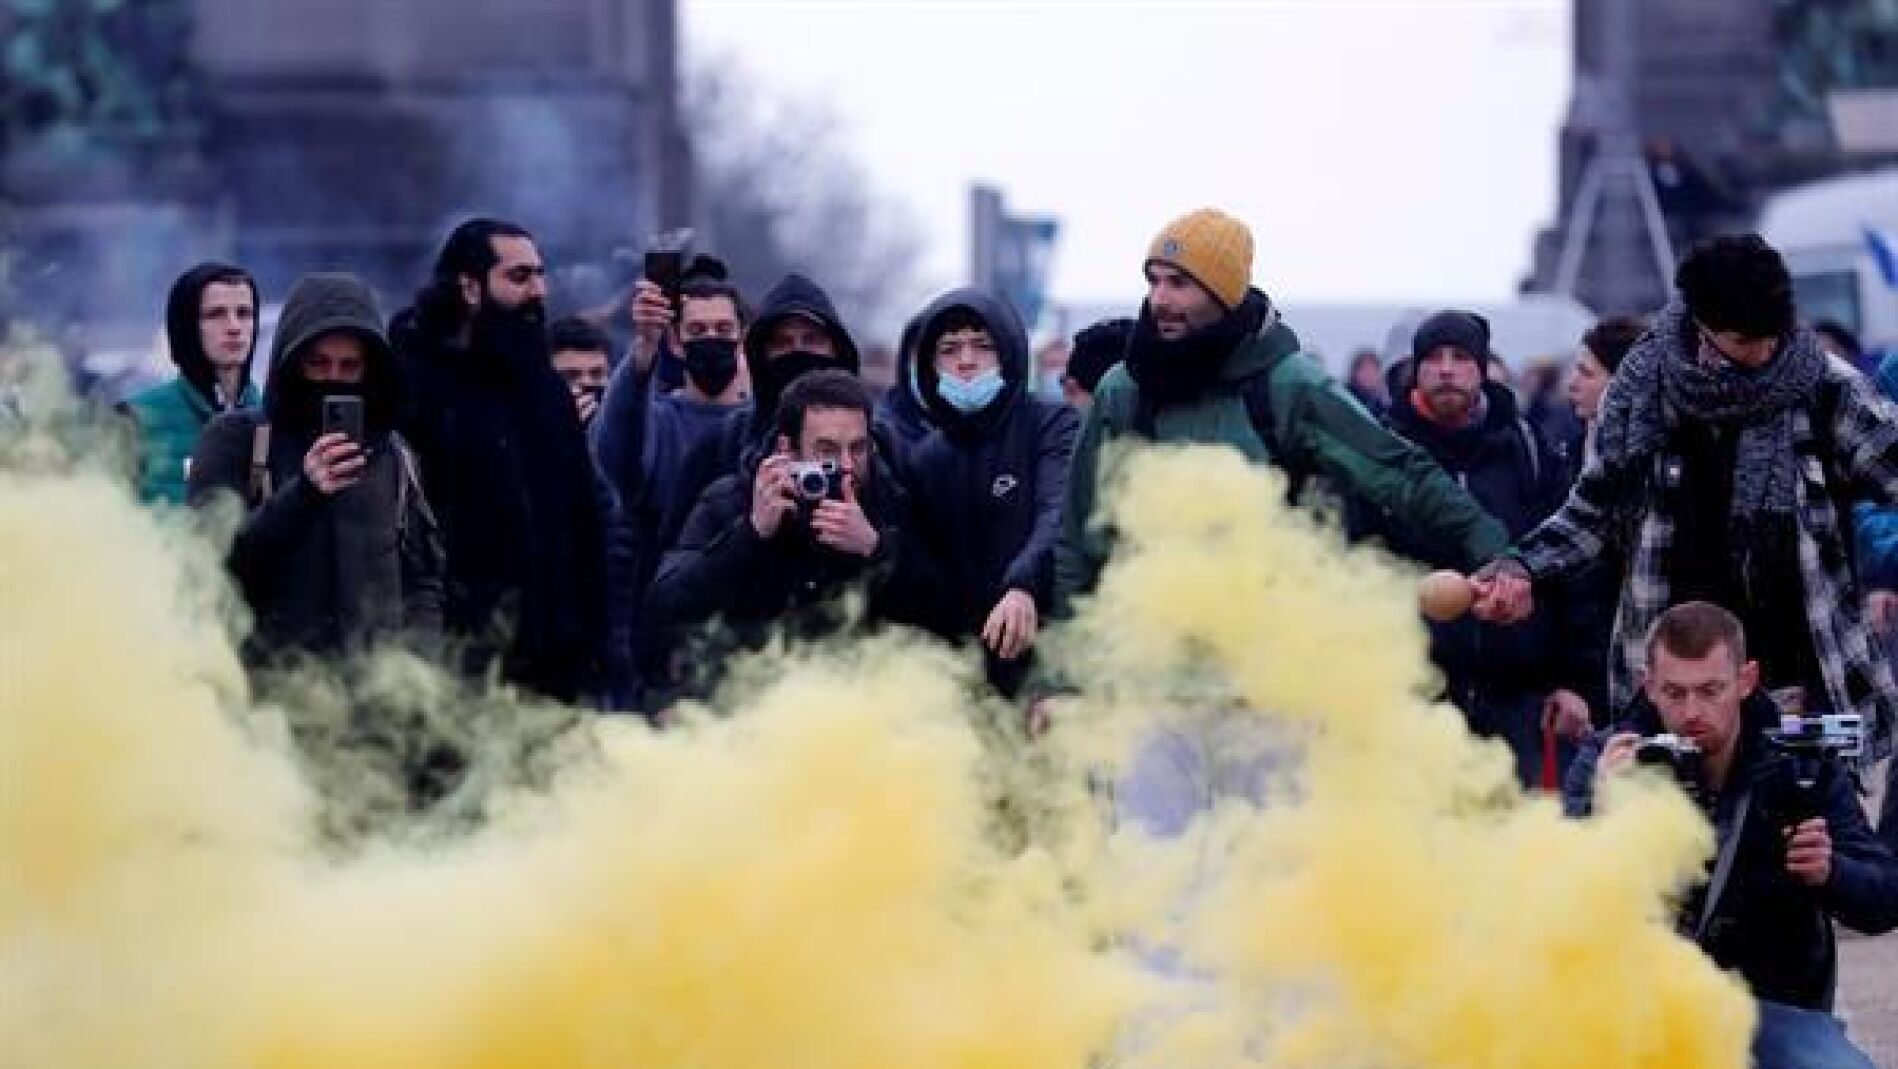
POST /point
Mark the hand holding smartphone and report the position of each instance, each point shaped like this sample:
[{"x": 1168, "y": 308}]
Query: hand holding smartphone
[
  {"x": 335, "y": 462},
  {"x": 343, "y": 415}
]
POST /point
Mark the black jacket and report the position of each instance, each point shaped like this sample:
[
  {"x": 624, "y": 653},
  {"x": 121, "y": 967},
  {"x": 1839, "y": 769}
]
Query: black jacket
[
  {"x": 1519, "y": 480},
  {"x": 522, "y": 510},
  {"x": 1765, "y": 925},
  {"x": 747, "y": 432},
  {"x": 325, "y": 574},
  {"x": 722, "y": 570},
  {"x": 988, "y": 489}
]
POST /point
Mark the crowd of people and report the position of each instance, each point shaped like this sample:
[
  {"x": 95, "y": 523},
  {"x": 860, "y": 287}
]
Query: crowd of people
[{"x": 610, "y": 511}]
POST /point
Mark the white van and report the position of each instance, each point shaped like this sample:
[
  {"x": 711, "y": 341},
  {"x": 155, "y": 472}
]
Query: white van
[{"x": 1829, "y": 232}]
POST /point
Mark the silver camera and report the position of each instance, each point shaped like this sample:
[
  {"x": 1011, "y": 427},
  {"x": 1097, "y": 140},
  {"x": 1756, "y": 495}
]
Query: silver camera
[{"x": 816, "y": 480}]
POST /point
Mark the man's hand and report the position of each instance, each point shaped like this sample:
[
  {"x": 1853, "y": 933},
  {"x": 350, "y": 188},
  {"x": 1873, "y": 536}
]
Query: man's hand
[
  {"x": 1616, "y": 757},
  {"x": 1566, "y": 714},
  {"x": 1882, "y": 610},
  {"x": 1809, "y": 853},
  {"x": 1011, "y": 625},
  {"x": 1504, "y": 593},
  {"x": 842, "y": 526},
  {"x": 772, "y": 496},
  {"x": 333, "y": 464},
  {"x": 586, "y": 404},
  {"x": 652, "y": 322}
]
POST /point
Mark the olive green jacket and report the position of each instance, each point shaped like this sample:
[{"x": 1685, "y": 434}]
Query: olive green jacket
[{"x": 1317, "y": 430}]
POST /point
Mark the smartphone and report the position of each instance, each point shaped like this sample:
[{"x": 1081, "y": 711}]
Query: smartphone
[
  {"x": 343, "y": 415},
  {"x": 665, "y": 260},
  {"x": 664, "y": 268}
]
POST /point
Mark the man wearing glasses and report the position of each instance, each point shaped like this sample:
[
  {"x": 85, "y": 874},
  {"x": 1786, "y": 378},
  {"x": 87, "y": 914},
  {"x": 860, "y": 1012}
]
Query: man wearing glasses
[
  {"x": 1730, "y": 450},
  {"x": 775, "y": 545}
]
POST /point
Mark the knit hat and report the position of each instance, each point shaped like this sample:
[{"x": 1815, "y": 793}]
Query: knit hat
[
  {"x": 1465, "y": 331},
  {"x": 1213, "y": 247}
]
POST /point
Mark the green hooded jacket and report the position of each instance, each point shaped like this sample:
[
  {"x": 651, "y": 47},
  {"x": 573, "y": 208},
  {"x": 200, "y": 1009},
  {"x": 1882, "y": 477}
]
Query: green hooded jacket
[
  {"x": 169, "y": 416},
  {"x": 1319, "y": 427}
]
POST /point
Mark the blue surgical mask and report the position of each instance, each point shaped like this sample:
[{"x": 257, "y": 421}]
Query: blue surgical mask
[{"x": 972, "y": 396}]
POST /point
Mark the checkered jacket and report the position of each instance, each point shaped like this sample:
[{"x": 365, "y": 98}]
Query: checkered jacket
[{"x": 1847, "y": 438}]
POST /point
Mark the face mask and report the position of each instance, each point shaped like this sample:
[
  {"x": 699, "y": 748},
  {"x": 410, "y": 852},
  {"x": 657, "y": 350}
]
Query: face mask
[
  {"x": 972, "y": 396},
  {"x": 303, "y": 400},
  {"x": 711, "y": 364},
  {"x": 775, "y": 374}
]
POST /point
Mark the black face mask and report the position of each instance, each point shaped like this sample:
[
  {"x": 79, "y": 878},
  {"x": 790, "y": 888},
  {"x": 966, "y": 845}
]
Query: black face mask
[
  {"x": 711, "y": 364},
  {"x": 303, "y": 400},
  {"x": 773, "y": 375}
]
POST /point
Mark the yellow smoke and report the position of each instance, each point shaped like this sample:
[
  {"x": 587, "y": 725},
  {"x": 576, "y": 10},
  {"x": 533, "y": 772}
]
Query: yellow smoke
[
  {"x": 853, "y": 871},
  {"x": 1409, "y": 908}
]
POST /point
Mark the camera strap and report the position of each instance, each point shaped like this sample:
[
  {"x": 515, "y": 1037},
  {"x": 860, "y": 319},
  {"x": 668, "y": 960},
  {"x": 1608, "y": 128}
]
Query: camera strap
[
  {"x": 259, "y": 486},
  {"x": 1723, "y": 862}
]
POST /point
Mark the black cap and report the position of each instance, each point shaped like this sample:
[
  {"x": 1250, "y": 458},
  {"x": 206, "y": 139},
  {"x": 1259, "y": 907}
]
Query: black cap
[{"x": 1465, "y": 331}]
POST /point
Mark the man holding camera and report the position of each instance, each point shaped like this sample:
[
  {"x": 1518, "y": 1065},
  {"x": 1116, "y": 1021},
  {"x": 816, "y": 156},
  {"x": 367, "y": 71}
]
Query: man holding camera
[
  {"x": 338, "y": 549},
  {"x": 775, "y": 543},
  {"x": 1794, "y": 850}
]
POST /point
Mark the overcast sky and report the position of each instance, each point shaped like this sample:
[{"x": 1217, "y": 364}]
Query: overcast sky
[{"x": 1380, "y": 149}]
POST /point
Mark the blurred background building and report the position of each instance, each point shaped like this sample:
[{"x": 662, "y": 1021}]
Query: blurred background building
[
  {"x": 1720, "y": 105},
  {"x": 139, "y": 135}
]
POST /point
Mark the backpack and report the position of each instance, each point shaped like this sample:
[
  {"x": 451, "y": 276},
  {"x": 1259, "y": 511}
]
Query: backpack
[{"x": 1256, "y": 391}]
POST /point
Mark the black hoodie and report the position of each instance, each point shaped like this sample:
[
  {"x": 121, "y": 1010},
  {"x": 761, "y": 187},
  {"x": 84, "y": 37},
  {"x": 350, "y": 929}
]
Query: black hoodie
[
  {"x": 170, "y": 416},
  {"x": 901, "y": 410},
  {"x": 183, "y": 331},
  {"x": 987, "y": 489},
  {"x": 747, "y": 432},
  {"x": 326, "y": 573}
]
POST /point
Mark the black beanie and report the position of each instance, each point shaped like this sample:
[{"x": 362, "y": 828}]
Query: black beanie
[
  {"x": 1096, "y": 350},
  {"x": 1466, "y": 331}
]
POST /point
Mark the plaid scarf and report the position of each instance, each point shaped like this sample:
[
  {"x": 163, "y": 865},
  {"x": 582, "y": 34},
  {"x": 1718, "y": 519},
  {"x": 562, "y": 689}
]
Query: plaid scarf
[
  {"x": 1665, "y": 378},
  {"x": 1847, "y": 450}
]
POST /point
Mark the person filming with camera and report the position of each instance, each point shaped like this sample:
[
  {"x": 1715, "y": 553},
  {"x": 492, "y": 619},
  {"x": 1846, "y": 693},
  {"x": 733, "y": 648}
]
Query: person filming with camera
[
  {"x": 1794, "y": 852},
  {"x": 775, "y": 544}
]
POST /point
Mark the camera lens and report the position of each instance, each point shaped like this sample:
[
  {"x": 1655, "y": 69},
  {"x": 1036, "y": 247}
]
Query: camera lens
[{"x": 812, "y": 483}]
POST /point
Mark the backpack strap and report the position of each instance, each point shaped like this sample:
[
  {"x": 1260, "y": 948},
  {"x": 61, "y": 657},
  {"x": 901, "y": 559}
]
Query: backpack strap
[
  {"x": 408, "y": 489},
  {"x": 1256, "y": 391},
  {"x": 260, "y": 481}
]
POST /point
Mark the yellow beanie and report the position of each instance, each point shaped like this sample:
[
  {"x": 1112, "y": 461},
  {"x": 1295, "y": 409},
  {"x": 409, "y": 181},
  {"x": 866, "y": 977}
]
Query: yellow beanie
[{"x": 1213, "y": 247}]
